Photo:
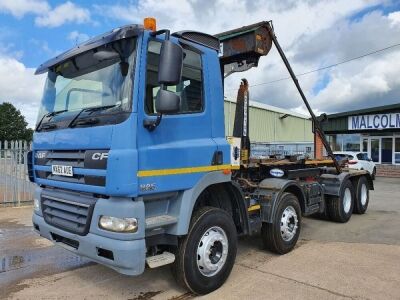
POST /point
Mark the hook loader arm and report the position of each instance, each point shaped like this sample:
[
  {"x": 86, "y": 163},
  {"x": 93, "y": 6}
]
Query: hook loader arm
[{"x": 241, "y": 50}]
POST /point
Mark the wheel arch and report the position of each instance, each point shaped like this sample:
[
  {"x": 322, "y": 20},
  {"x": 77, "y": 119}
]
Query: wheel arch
[
  {"x": 355, "y": 179},
  {"x": 296, "y": 190},
  {"x": 229, "y": 197},
  {"x": 220, "y": 184},
  {"x": 278, "y": 187},
  {"x": 333, "y": 183}
]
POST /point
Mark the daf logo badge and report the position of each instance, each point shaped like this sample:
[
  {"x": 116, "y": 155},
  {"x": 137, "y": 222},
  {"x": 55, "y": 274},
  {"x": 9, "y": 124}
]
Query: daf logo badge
[
  {"x": 99, "y": 156},
  {"x": 40, "y": 154},
  {"x": 277, "y": 172}
]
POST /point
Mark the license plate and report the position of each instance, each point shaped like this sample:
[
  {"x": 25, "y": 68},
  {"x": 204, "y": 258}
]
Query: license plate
[{"x": 62, "y": 170}]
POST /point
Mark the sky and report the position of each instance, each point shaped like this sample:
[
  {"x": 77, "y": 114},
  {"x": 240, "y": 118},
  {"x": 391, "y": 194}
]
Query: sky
[{"x": 313, "y": 33}]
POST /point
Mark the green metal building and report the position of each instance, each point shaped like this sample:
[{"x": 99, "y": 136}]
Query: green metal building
[{"x": 274, "y": 130}]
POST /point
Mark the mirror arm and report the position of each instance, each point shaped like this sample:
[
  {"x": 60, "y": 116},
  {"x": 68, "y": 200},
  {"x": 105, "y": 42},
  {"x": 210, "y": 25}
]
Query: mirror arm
[
  {"x": 166, "y": 31},
  {"x": 150, "y": 125}
]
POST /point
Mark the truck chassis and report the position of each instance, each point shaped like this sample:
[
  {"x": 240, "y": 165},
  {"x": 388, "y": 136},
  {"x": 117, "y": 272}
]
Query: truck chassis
[{"x": 195, "y": 229}]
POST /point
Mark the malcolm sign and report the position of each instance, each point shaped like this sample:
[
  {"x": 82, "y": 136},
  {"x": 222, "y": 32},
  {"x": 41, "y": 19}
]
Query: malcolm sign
[{"x": 371, "y": 122}]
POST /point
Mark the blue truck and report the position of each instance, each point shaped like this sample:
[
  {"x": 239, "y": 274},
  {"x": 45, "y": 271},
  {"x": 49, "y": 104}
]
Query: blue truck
[{"x": 132, "y": 167}]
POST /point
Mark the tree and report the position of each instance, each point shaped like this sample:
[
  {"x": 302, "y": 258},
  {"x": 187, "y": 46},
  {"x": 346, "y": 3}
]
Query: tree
[{"x": 12, "y": 124}]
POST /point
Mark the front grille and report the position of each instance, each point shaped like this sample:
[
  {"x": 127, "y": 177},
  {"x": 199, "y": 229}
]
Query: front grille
[
  {"x": 78, "y": 159},
  {"x": 68, "y": 215},
  {"x": 75, "y": 158}
]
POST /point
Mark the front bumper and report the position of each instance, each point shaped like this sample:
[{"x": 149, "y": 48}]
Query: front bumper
[
  {"x": 123, "y": 252},
  {"x": 128, "y": 256}
]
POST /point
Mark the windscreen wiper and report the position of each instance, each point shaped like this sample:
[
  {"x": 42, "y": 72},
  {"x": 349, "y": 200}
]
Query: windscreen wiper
[
  {"x": 48, "y": 115},
  {"x": 48, "y": 126},
  {"x": 91, "y": 109},
  {"x": 90, "y": 121}
]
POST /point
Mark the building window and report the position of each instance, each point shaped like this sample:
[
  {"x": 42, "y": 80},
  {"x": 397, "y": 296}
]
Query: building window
[
  {"x": 335, "y": 144},
  {"x": 351, "y": 142},
  {"x": 189, "y": 89},
  {"x": 344, "y": 142}
]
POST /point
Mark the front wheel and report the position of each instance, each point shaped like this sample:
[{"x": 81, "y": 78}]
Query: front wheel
[
  {"x": 205, "y": 256},
  {"x": 282, "y": 234}
]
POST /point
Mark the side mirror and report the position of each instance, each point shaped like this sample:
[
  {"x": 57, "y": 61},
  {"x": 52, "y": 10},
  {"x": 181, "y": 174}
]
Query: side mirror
[
  {"x": 169, "y": 73},
  {"x": 171, "y": 61},
  {"x": 167, "y": 102}
]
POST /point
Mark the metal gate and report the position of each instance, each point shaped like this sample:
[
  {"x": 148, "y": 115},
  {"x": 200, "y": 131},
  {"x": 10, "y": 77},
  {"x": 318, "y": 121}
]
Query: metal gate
[{"x": 15, "y": 187}]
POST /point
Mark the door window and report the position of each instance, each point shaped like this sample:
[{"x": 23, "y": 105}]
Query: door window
[
  {"x": 341, "y": 156},
  {"x": 375, "y": 150},
  {"x": 365, "y": 145},
  {"x": 190, "y": 89},
  {"x": 387, "y": 151},
  {"x": 362, "y": 156},
  {"x": 397, "y": 150}
]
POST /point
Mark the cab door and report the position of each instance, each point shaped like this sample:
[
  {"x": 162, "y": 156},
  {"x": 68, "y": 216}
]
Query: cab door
[{"x": 180, "y": 150}]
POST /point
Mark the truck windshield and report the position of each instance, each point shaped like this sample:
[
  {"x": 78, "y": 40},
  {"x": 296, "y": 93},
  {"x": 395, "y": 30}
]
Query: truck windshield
[{"x": 97, "y": 78}]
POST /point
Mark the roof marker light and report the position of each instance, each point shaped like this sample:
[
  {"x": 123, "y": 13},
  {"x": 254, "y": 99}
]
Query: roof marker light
[{"x": 150, "y": 24}]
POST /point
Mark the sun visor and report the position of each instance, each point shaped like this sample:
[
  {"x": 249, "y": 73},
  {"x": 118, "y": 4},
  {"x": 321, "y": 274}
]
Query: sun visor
[{"x": 114, "y": 35}]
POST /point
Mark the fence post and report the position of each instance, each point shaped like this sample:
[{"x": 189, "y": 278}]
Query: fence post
[
  {"x": 2, "y": 170},
  {"x": 19, "y": 177},
  {"x": 14, "y": 170},
  {"x": 24, "y": 168},
  {"x": 6, "y": 169}
]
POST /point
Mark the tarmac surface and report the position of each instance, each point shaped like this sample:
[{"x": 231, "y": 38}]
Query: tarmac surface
[{"x": 356, "y": 260}]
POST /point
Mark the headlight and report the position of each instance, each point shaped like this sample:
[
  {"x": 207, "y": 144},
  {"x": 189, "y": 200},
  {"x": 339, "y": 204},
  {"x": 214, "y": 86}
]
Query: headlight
[
  {"x": 36, "y": 204},
  {"x": 128, "y": 225}
]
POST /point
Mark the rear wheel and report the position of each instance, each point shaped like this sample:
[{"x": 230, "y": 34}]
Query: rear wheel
[
  {"x": 362, "y": 196},
  {"x": 205, "y": 256},
  {"x": 340, "y": 208},
  {"x": 282, "y": 234}
]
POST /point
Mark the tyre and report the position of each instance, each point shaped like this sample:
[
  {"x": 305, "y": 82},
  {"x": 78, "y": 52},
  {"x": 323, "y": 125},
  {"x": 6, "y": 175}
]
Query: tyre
[
  {"x": 340, "y": 208},
  {"x": 282, "y": 234},
  {"x": 205, "y": 256},
  {"x": 362, "y": 196}
]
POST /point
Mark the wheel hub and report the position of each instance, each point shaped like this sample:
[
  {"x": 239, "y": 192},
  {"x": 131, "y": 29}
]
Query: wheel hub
[
  {"x": 212, "y": 251},
  {"x": 347, "y": 200},
  {"x": 364, "y": 194},
  {"x": 289, "y": 223}
]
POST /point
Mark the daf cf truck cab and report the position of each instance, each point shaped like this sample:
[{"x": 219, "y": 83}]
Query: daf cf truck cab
[{"x": 133, "y": 169}]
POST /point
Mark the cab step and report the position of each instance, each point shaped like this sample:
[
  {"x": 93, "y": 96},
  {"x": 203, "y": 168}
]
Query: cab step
[
  {"x": 160, "y": 260},
  {"x": 160, "y": 221}
]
